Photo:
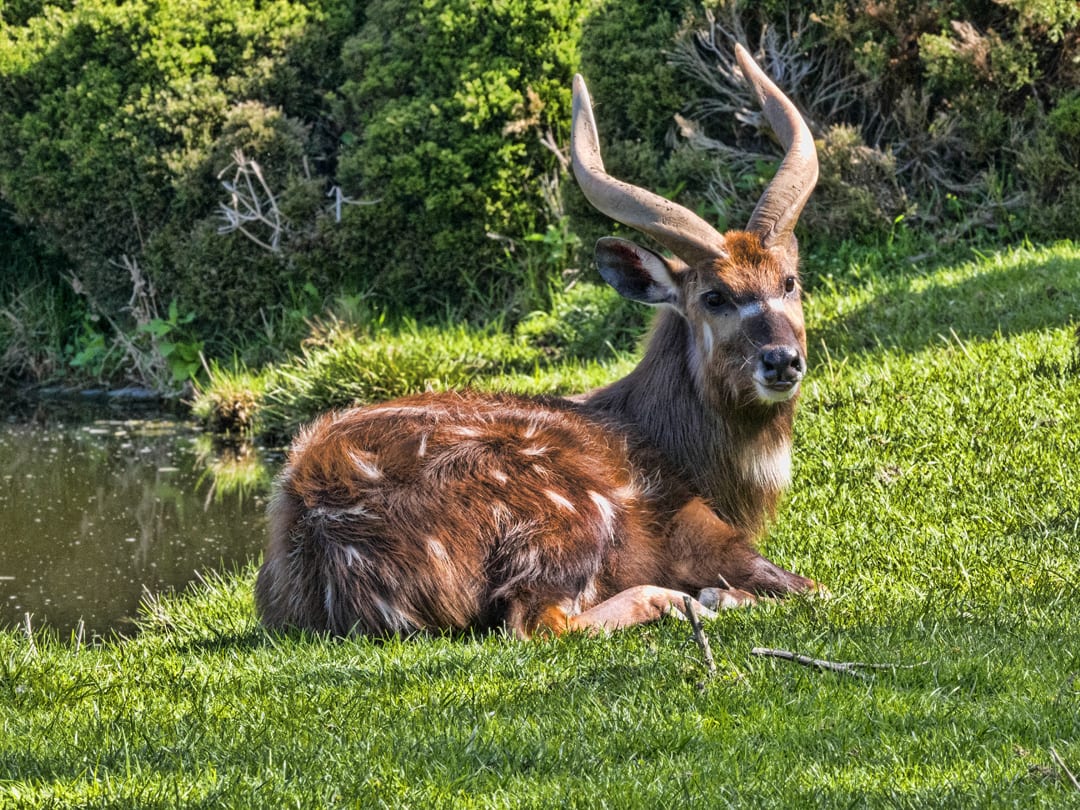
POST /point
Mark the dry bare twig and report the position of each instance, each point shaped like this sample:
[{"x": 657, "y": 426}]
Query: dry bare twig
[
  {"x": 699, "y": 634},
  {"x": 250, "y": 202},
  {"x": 1061, "y": 764},
  {"x": 846, "y": 667},
  {"x": 28, "y": 632}
]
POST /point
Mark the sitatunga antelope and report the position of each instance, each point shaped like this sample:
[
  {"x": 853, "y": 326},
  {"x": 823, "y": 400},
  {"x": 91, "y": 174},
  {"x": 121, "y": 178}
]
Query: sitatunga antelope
[{"x": 450, "y": 511}]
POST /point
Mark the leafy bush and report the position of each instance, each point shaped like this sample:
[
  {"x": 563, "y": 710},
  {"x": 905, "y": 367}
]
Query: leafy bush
[
  {"x": 442, "y": 116},
  {"x": 114, "y": 118},
  {"x": 38, "y": 313},
  {"x": 920, "y": 108},
  {"x": 584, "y": 321},
  {"x": 1050, "y": 165},
  {"x": 957, "y": 91}
]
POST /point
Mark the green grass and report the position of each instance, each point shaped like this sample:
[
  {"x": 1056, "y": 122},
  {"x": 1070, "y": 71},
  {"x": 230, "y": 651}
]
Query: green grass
[{"x": 937, "y": 495}]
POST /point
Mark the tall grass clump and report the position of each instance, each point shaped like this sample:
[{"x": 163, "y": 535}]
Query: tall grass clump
[{"x": 340, "y": 366}]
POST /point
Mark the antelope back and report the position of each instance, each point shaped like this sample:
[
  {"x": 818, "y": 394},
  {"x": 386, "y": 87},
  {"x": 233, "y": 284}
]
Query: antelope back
[{"x": 450, "y": 511}]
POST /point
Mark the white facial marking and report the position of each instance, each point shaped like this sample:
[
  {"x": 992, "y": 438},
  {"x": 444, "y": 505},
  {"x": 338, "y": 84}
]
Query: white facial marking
[
  {"x": 766, "y": 394},
  {"x": 559, "y": 500},
  {"x": 707, "y": 340},
  {"x": 751, "y": 310},
  {"x": 777, "y": 304}
]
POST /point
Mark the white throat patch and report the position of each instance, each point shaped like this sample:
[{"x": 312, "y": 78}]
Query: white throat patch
[{"x": 770, "y": 469}]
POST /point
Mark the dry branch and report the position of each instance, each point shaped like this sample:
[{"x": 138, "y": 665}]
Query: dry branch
[
  {"x": 1061, "y": 764},
  {"x": 846, "y": 667},
  {"x": 699, "y": 634}
]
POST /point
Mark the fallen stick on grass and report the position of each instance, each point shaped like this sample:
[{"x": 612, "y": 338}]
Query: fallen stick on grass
[
  {"x": 699, "y": 634},
  {"x": 1061, "y": 764},
  {"x": 847, "y": 667}
]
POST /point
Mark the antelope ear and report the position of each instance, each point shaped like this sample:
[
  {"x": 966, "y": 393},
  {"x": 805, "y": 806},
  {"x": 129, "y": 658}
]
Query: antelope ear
[{"x": 636, "y": 272}]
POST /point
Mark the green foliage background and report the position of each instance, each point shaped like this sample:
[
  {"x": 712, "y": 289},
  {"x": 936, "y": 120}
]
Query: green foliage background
[{"x": 119, "y": 121}]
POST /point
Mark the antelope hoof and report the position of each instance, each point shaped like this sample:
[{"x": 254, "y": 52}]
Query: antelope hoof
[
  {"x": 725, "y": 598},
  {"x": 818, "y": 591}
]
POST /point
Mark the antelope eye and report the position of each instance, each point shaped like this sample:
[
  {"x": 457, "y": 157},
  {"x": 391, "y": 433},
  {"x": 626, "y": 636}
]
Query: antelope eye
[
  {"x": 713, "y": 299},
  {"x": 789, "y": 284}
]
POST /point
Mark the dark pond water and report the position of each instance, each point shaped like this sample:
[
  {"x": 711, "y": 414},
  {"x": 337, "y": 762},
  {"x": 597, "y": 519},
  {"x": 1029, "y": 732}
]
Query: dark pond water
[{"x": 97, "y": 509}]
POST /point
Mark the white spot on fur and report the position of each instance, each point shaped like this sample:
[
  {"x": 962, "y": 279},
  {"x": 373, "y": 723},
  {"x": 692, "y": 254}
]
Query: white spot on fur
[
  {"x": 771, "y": 469},
  {"x": 499, "y": 476},
  {"x": 393, "y": 617},
  {"x": 352, "y": 556},
  {"x": 422, "y": 450},
  {"x": 437, "y": 549},
  {"x": 501, "y": 514},
  {"x": 534, "y": 451},
  {"x": 559, "y": 500},
  {"x": 365, "y": 465},
  {"x": 464, "y": 432},
  {"x": 356, "y": 510},
  {"x": 585, "y": 599},
  {"x": 607, "y": 512}
]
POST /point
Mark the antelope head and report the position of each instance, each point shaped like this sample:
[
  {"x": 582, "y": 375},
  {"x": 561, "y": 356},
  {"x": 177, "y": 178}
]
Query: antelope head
[{"x": 739, "y": 292}]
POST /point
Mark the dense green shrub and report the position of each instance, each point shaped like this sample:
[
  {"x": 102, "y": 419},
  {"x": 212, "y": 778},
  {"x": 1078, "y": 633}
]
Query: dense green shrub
[
  {"x": 119, "y": 124},
  {"x": 585, "y": 321},
  {"x": 957, "y": 91},
  {"x": 442, "y": 115},
  {"x": 39, "y": 313},
  {"x": 941, "y": 112},
  {"x": 114, "y": 120}
]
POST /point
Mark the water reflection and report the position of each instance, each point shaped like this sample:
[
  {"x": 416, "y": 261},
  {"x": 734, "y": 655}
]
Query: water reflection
[{"x": 95, "y": 510}]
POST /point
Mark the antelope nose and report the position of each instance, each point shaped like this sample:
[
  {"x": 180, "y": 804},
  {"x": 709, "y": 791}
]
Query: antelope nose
[{"x": 781, "y": 366}]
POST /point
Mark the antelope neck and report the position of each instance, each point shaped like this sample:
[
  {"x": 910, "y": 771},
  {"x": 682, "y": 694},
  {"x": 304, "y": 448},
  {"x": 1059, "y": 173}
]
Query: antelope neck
[{"x": 661, "y": 400}]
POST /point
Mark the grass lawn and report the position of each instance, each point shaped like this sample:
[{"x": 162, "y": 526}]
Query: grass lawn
[{"x": 937, "y": 494}]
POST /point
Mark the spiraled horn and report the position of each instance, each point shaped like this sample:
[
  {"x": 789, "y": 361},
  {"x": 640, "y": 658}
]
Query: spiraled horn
[
  {"x": 781, "y": 203},
  {"x": 678, "y": 229}
]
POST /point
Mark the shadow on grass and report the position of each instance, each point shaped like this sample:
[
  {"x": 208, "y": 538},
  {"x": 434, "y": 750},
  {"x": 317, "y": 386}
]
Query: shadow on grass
[{"x": 1008, "y": 294}]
